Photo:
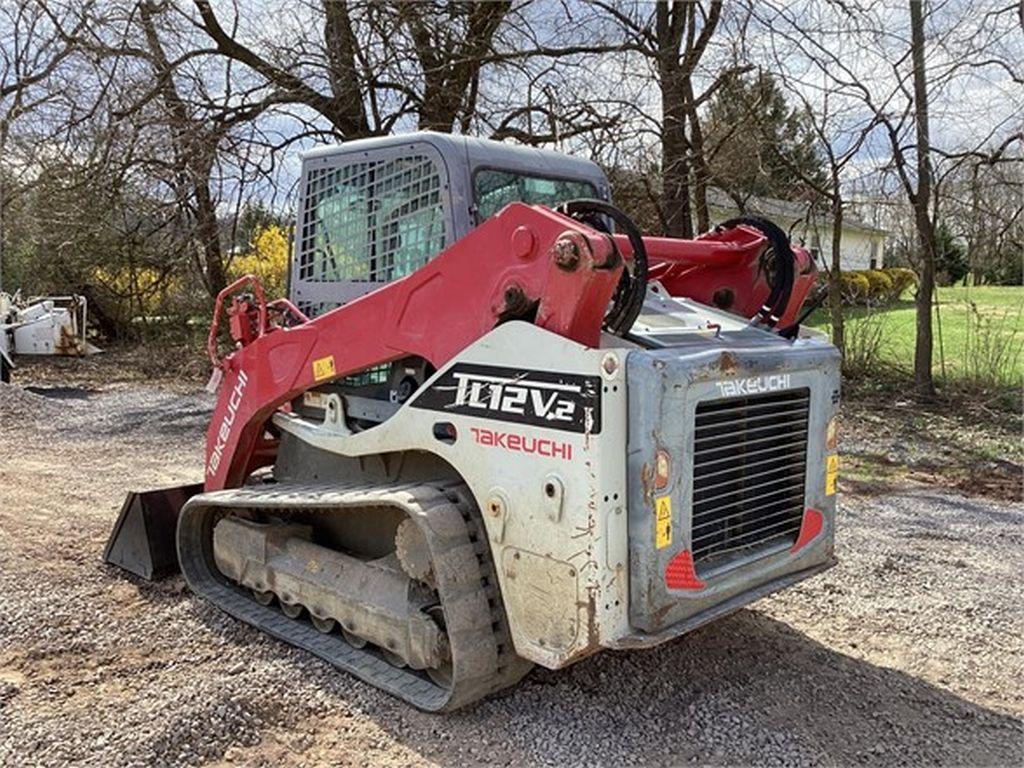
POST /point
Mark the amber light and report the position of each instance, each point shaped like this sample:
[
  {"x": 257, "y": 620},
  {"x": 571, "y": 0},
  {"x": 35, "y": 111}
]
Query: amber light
[{"x": 662, "y": 469}]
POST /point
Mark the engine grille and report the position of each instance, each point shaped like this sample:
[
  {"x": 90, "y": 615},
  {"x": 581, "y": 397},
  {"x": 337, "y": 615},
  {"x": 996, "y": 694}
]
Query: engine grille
[{"x": 750, "y": 459}]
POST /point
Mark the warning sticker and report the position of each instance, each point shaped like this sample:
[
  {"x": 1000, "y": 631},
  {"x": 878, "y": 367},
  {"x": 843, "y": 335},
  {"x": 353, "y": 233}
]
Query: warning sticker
[
  {"x": 662, "y": 521},
  {"x": 323, "y": 368},
  {"x": 831, "y": 474}
]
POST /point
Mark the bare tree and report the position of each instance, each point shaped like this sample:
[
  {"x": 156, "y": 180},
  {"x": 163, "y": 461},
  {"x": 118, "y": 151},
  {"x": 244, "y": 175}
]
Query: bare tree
[
  {"x": 358, "y": 74},
  {"x": 451, "y": 41},
  {"x": 921, "y": 199},
  {"x": 983, "y": 204},
  {"x": 674, "y": 38},
  {"x": 840, "y": 136},
  {"x": 32, "y": 50},
  {"x": 885, "y": 59}
]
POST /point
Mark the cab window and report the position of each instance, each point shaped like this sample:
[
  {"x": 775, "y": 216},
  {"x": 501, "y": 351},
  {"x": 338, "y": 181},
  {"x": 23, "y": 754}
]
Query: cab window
[{"x": 494, "y": 189}]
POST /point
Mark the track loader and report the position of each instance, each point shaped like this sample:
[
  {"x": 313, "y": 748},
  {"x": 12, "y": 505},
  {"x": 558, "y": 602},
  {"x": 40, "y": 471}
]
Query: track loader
[{"x": 494, "y": 425}]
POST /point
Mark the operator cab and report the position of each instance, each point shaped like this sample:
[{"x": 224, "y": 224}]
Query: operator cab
[{"x": 374, "y": 210}]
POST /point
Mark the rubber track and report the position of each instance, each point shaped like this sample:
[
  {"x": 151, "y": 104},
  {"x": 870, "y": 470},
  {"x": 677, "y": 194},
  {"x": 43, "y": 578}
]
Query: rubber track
[{"x": 483, "y": 659}]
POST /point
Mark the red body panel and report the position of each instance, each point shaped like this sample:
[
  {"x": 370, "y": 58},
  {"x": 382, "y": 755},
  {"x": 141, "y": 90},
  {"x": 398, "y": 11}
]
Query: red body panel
[{"x": 524, "y": 256}]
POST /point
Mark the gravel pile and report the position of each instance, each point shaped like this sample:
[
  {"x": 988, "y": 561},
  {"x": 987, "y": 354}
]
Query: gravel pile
[
  {"x": 21, "y": 405},
  {"x": 907, "y": 653}
]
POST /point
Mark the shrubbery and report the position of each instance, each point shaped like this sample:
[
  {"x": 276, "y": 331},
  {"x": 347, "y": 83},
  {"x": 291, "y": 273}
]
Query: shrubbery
[
  {"x": 267, "y": 258},
  {"x": 875, "y": 287},
  {"x": 854, "y": 286}
]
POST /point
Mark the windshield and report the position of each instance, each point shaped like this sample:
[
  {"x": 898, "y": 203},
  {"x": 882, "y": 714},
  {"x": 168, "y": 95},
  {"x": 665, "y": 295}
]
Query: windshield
[{"x": 493, "y": 190}]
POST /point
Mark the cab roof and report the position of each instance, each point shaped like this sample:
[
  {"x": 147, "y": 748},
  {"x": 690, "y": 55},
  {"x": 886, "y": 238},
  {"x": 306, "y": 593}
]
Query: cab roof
[{"x": 480, "y": 153}]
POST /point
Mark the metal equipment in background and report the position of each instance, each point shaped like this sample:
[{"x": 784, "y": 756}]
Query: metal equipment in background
[
  {"x": 495, "y": 425},
  {"x": 41, "y": 326}
]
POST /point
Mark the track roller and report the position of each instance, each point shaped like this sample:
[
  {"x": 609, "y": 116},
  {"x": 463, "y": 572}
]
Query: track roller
[
  {"x": 353, "y": 639},
  {"x": 395, "y": 631},
  {"x": 323, "y": 625}
]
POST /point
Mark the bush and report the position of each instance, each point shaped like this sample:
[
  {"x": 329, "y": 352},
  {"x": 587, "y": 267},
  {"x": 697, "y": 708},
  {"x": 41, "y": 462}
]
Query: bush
[
  {"x": 992, "y": 349},
  {"x": 875, "y": 287},
  {"x": 855, "y": 287},
  {"x": 879, "y": 285},
  {"x": 267, "y": 259},
  {"x": 902, "y": 278},
  {"x": 863, "y": 339}
]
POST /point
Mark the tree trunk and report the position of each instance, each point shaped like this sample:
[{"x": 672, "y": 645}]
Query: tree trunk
[
  {"x": 451, "y": 66},
  {"x": 675, "y": 170},
  {"x": 194, "y": 150},
  {"x": 922, "y": 218},
  {"x": 347, "y": 109},
  {"x": 208, "y": 235},
  {"x": 701, "y": 174},
  {"x": 670, "y": 21},
  {"x": 835, "y": 285}
]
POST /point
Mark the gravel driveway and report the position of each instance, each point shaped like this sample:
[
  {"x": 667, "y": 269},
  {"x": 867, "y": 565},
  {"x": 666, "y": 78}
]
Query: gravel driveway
[{"x": 909, "y": 652}]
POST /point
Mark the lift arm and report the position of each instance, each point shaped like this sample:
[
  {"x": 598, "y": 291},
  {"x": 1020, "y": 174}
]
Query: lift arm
[{"x": 525, "y": 263}]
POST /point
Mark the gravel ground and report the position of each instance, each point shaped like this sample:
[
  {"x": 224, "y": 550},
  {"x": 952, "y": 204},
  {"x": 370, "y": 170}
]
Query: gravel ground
[{"x": 908, "y": 652}]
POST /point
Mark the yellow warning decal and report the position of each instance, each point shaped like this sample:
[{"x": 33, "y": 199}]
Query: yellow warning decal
[
  {"x": 323, "y": 368},
  {"x": 662, "y": 521},
  {"x": 831, "y": 474}
]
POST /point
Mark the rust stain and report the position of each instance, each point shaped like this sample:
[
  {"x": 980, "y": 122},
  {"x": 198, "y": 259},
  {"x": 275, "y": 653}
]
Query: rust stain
[
  {"x": 727, "y": 363},
  {"x": 67, "y": 344},
  {"x": 647, "y": 479},
  {"x": 658, "y": 616},
  {"x": 593, "y": 630}
]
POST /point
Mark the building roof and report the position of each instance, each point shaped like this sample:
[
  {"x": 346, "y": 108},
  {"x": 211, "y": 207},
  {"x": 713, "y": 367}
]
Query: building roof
[{"x": 784, "y": 212}]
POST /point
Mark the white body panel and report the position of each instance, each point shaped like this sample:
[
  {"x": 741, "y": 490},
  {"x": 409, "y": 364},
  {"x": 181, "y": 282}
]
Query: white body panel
[
  {"x": 43, "y": 326},
  {"x": 561, "y": 561}
]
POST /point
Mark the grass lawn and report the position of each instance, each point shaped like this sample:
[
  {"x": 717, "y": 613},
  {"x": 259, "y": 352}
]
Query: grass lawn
[{"x": 982, "y": 334}]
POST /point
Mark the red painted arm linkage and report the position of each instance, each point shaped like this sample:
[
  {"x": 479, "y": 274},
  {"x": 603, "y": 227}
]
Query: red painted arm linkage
[
  {"x": 434, "y": 313},
  {"x": 524, "y": 256}
]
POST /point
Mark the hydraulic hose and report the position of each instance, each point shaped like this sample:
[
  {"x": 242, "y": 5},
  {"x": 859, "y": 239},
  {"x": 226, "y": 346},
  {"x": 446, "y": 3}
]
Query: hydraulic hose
[
  {"x": 629, "y": 295},
  {"x": 784, "y": 274}
]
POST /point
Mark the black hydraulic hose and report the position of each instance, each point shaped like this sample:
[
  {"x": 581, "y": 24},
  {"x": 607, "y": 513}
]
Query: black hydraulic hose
[
  {"x": 791, "y": 331},
  {"x": 629, "y": 295},
  {"x": 784, "y": 274}
]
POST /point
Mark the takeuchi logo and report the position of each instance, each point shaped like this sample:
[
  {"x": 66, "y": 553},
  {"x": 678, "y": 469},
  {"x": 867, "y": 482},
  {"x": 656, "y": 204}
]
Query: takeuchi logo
[
  {"x": 753, "y": 385},
  {"x": 224, "y": 432}
]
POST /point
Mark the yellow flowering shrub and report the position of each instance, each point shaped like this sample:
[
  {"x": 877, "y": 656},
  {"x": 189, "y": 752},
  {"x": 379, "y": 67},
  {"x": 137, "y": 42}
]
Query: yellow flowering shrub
[
  {"x": 267, "y": 258},
  {"x": 136, "y": 291}
]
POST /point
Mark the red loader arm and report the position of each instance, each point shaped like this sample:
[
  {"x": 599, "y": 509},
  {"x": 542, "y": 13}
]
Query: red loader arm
[
  {"x": 525, "y": 262},
  {"x": 722, "y": 269}
]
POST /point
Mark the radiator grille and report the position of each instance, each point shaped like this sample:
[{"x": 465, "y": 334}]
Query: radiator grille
[{"x": 750, "y": 459}]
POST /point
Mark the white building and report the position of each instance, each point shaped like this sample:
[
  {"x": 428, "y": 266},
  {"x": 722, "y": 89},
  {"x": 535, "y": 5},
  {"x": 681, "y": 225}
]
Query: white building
[{"x": 862, "y": 245}]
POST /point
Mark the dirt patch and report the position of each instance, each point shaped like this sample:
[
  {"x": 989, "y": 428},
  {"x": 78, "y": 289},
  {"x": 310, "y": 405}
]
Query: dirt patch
[{"x": 960, "y": 443}]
